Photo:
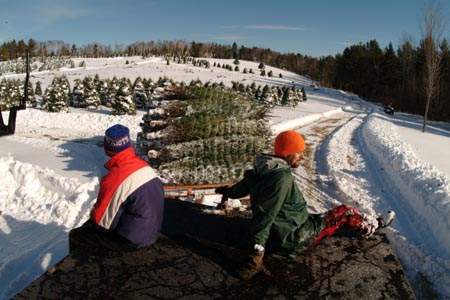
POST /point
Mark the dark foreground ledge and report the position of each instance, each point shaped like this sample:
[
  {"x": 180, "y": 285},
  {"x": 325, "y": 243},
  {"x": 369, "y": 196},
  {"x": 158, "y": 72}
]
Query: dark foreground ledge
[{"x": 194, "y": 259}]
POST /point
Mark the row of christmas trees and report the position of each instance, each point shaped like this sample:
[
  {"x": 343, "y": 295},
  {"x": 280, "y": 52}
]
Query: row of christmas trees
[
  {"x": 125, "y": 97},
  {"x": 40, "y": 64},
  {"x": 90, "y": 92}
]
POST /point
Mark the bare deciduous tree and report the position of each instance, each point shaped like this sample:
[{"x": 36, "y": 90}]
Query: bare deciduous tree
[{"x": 432, "y": 26}]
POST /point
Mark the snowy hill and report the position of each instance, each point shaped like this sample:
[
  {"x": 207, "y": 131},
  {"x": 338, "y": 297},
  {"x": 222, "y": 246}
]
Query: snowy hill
[{"x": 52, "y": 166}]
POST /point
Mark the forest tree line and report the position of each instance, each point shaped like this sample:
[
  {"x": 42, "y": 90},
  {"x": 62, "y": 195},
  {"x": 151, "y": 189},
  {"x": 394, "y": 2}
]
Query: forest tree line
[{"x": 388, "y": 76}]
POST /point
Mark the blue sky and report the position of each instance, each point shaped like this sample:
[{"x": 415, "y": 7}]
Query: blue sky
[{"x": 313, "y": 27}]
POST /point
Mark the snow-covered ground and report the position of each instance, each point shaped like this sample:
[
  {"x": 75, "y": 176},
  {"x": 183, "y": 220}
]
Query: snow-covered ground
[{"x": 51, "y": 169}]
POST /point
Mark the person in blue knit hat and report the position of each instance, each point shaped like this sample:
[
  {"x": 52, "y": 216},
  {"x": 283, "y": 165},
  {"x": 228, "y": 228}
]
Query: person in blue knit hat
[{"x": 129, "y": 210}]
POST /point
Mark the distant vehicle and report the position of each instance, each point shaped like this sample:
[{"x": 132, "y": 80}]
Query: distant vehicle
[
  {"x": 314, "y": 86},
  {"x": 389, "y": 110}
]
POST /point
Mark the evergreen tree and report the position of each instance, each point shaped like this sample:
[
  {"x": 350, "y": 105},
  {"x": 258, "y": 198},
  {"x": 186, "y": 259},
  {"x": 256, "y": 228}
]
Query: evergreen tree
[
  {"x": 98, "y": 83},
  {"x": 65, "y": 86},
  {"x": 113, "y": 88},
  {"x": 296, "y": 96},
  {"x": 91, "y": 96},
  {"x": 38, "y": 98},
  {"x": 16, "y": 92},
  {"x": 4, "y": 94},
  {"x": 38, "y": 89},
  {"x": 140, "y": 96},
  {"x": 77, "y": 96},
  {"x": 234, "y": 50},
  {"x": 30, "y": 89},
  {"x": 149, "y": 86},
  {"x": 55, "y": 99},
  {"x": 288, "y": 96},
  {"x": 266, "y": 96},
  {"x": 123, "y": 101}
]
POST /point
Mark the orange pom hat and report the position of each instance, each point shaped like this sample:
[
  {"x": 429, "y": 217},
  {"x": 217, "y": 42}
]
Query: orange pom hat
[{"x": 288, "y": 142}]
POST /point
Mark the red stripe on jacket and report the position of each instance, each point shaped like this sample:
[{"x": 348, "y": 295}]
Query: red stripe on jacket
[{"x": 120, "y": 167}]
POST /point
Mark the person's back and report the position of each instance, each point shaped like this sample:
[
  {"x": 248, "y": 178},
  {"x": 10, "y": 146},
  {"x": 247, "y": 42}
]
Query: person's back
[
  {"x": 129, "y": 210},
  {"x": 131, "y": 199}
]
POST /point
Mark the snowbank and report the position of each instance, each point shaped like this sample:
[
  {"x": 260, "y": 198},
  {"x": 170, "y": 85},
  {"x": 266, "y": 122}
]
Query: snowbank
[
  {"x": 426, "y": 188},
  {"x": 299, "y": 122}
]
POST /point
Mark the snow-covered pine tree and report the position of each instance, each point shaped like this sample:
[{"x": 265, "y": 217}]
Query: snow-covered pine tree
[
  {"x": 4, "y": 94},
  {"x": 15, "y": 90},
  {"x": 266, "y": 96},
  {"x": 65, "y": 86},
  {"x": 98, "y": 84},
  {"x": 149, "y": 85},
  {"x": 123, "y": 102},
  {"x": 296, "y": 96},
  {"x": 276, "y": 98},
  {"x": 38, "y": 97},
  {"x": 30, "y": 89},
  {"x": 38, "y": 89},
  {"x": 91, "y": 96},
  {"x": 103, "y": 90},
  {"x": 258, "y": 93},
  {"x": 140, "y": 96},
  {"x": 279, "y": 95},
  {"x": 113, "y": 88},
  {"x": 77, "y": 96},
  {"x": 287, "y": 96},
  {"x": 55, "y": 99}
]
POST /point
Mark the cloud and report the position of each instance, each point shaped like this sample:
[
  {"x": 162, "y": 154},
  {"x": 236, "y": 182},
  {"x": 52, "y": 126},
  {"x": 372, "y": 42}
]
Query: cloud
[{"x": 264, "y": 27}]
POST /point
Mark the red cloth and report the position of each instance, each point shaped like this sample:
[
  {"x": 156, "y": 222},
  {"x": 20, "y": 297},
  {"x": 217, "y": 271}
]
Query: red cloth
[{"x": 343, "y": 217}]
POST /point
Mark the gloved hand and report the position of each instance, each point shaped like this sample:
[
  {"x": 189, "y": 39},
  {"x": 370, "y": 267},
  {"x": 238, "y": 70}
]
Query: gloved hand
[
  {"x": 222, "y": 190},
  {"x": 253, "y": 264}
]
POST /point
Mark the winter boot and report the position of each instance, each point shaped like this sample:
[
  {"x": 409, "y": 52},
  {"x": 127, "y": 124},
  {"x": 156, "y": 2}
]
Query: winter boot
[
  {"x": 386, "y": 219},
  {"x": 252, "y": 265}
]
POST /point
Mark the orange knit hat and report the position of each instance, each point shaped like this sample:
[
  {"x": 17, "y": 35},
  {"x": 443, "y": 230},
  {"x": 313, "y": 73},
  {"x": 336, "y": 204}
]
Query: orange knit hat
[{"x": 288, "y": 142}]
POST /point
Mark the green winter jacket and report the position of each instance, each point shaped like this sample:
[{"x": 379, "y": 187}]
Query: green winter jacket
[{"x": 280, "y": 219}]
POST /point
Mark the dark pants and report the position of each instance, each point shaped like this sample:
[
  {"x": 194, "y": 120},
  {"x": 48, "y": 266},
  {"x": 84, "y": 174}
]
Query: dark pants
[{"x": 88, "y": 236}]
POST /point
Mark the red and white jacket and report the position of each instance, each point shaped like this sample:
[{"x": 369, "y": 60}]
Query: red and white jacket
[{"x": 130, "y": 200}]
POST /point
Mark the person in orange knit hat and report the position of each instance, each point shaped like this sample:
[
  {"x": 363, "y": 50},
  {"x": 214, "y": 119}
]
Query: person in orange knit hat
[{"x": 280, "y": 220}]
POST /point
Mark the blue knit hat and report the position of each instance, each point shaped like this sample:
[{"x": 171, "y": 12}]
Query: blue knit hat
[{"x": 117, "y": 138}]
